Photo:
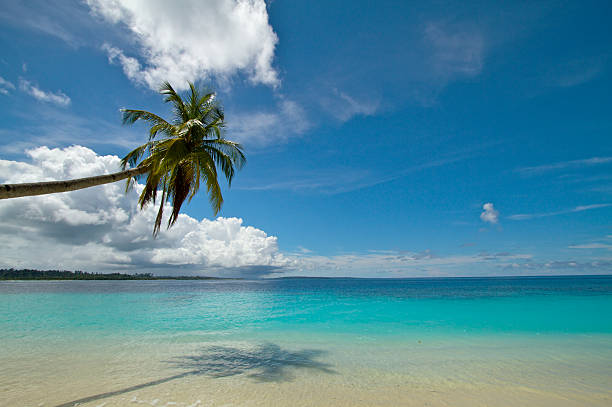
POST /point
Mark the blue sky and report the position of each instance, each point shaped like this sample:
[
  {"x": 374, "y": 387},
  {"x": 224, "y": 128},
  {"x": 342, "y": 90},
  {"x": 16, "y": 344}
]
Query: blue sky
[{"x": 375, "y": 134}]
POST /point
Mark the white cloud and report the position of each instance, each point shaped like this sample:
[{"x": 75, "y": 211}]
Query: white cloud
[
  {"x": 193, "y": 40},
  {"x": 489, "y": 214},
  {"x": 576, "y": 72},
  {"x": 56, "y": 126},
  {"x": 262, "y": 128},
  {"x": 447, "y": 52},
  {"x": 455, "y": 50},
  {"x": 342, "y": 179},
  {"x": 393, "y": 263},
  {"x": 343, "y": 106},
  {"x": 65, "y": 20},
  {"x": 578, "y": 77},
  {"x": 558, "y": 267},
  {"x": 101, "y": 228},
  {"x": 224, "y": 242},
  {"x": 582, "y": 208},
  {"x": 58, "y": 98},
  {"x": 6, "y": 86},
  {"x": 592, "y": 246},
  {"x": 589, "y": 207},
  {"x": 326, "y": 181},
  {"x": 587, "y": 162}
]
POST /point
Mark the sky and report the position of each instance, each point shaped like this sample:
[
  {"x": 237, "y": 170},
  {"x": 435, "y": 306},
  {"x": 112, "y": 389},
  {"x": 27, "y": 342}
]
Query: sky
[{"x": 387, "y": 139}]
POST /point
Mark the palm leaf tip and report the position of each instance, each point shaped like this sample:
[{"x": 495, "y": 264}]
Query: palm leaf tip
[{"x": 166, "y": 87}]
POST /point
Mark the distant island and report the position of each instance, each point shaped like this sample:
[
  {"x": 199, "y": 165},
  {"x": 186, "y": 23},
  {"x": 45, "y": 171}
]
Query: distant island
[{"x": 28, "y": 274}]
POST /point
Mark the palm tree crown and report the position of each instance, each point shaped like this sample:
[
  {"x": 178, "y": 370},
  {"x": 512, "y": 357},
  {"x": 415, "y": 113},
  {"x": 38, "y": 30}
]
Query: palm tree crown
[{"x": 182, "y": 153}]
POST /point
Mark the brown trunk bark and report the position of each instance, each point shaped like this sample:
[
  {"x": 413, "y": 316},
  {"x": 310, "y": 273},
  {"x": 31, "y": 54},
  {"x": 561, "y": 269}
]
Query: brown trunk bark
[{"x": 51, "y": 187}]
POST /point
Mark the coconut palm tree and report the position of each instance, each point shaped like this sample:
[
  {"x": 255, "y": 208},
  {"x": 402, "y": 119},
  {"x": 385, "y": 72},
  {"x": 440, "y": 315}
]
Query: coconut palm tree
[{"x": 178, "y": 156}]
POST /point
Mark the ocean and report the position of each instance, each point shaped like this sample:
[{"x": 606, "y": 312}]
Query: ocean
[{"x": 530, "y": 341}]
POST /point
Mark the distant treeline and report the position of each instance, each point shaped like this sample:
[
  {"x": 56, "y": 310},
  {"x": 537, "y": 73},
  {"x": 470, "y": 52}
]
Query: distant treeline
[{"x": 27, "y": 274}]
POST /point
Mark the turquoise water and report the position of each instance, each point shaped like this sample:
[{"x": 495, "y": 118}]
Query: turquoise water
[
  {"x": 378, "y": 307},
  {"x": 559, "y": 329}
]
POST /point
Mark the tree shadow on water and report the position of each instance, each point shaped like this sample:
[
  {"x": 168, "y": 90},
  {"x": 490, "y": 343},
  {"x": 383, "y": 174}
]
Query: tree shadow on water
[{"x": 264, "y": 363}]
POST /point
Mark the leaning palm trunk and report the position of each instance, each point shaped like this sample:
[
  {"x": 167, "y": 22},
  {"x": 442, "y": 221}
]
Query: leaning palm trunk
[{"x": 50, "y": 187}]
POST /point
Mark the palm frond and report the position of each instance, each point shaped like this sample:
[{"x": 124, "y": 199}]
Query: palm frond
[
  {"x": 230, "y": 148},
  {"x": 189, "y": 126},
  {"x": 180, "y": 186},
  {"x": 191, "y": 150},
  {"x": 193, "y": 101},
  {"x": 177, "y": 102},
  {"x": 207, "y": 100},
  {"x": 131, "y": 115},
  {"x": 160, "y": 214},
  {"x": 209, "y": 173}
]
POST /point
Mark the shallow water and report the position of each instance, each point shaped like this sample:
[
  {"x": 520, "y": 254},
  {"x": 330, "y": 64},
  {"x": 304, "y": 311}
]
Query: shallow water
[{"x": 307, "y": 342}]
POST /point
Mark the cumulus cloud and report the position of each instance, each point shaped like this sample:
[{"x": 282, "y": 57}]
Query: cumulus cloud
[
  {"x": 101, "y": 228},
  {"x": 489, "y": 214},
  {"x": 58, "y": 98},
  {"x": 192, "y": 39}
]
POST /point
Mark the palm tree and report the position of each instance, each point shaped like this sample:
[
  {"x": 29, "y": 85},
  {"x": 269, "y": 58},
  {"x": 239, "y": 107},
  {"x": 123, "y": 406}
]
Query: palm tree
[{"x": 178, "y": 156}]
